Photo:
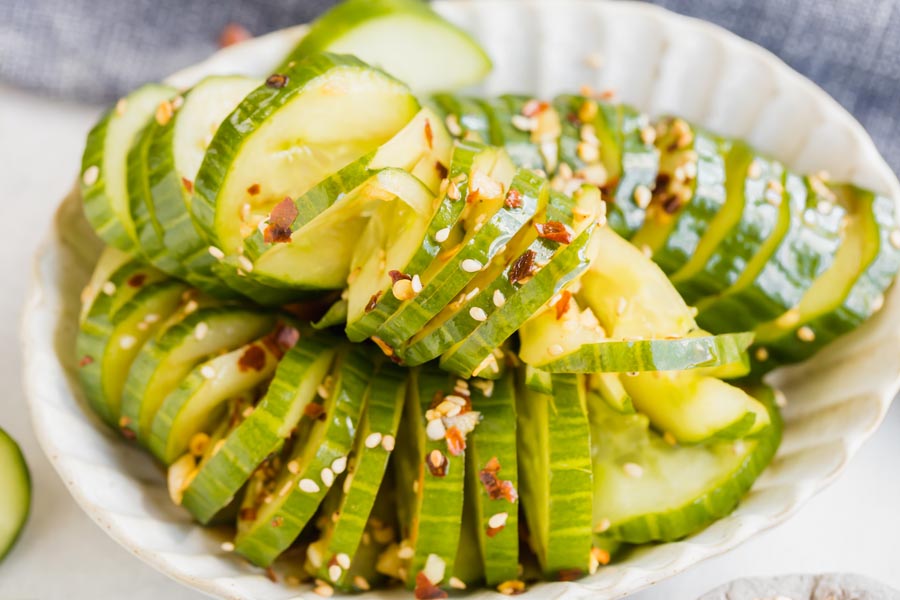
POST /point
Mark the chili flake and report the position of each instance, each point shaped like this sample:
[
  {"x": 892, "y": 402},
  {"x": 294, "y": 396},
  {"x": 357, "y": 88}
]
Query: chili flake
[
  {"x": 137, "y": 280},
  {"x": 373, "y": 301},
  {"x": 276, "y": 80},
  {"x": 562, "y": 304},
  {"x": 437, "y": 463},
  {"x": 425, "y": 590},
  {"x": 253, "y": 357},
  {"x": 188, "y": 185},
  {"x": 85, "y": 360},
  {"x": 513, "y": 199},
  {"x": 495, "y": 487},
  {"x": 554, "y": 231},
  {"x": 523, "y": 267},
  {"x": 253, "y": 189},
  {"x": 456, "y": 441},
  {"x": 279, "y": 228},
  {"x": 233, "y": 33},
  {"x": 429, "y": 134}
]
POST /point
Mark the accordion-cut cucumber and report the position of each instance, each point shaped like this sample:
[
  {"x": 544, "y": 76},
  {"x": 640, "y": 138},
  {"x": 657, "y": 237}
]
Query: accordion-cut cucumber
[
  {"x": 555, "y": 479},
  {"x": 464, "y": 117},
  {"x": 745, "y": 232},
  {"x": 404, "y": 37},
  {"x": 108, "y": 263},
  {"x": 16, "y": 484},
  {"x": 288, "y": 134},
  {"x": 647, "y": 490},
  {"x": 689, "y": 193},
  {"x": 103, "y": 174},
  {"x": 501, "y": 113},
  {"x": 298, "y": 376},
  {"x": 309, "y": 470},
  {"x": 164, "y": 362}
]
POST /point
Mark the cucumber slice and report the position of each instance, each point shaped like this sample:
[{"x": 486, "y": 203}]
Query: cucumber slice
[
  {"x": 334, "y": 316},
  {"x": 554, "y": 446},
  {"x": 846, "y": 294},
  {"x": 465, "y": 117},
  {"x": 746, "y": 231},
  {"x": 297, "y": 378},
  {"x": 467, "y": 159},
  {"x": 536, "y": 379},
  {"x": 689, "y": 194},
  {"x": 648, "y": 490},
  {"x": 366, "y": 470},
  {"x": 310, "y": 469},
  {"x": 610, "y": 389},
  {"x": 103, "y": 173},
  {"x": 556, "y": 266},
  {"x": 111, "y": 258},
  {"x": 326, "y": 111},
  {"x": 807, "y": 250},
  {"x": 164, "y": 362},
  {"x": 16, "y": 483},
  {"x": 518, "y": 143},
  {"x": 104, "y": 349},
  {"x": 404, "y": 37},
  {"x": 492, "y": 478}
]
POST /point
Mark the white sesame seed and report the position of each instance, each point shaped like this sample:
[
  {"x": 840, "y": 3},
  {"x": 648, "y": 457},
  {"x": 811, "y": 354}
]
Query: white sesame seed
[
  {"x": 434, "y": 568},
  {"x": 216, "y": 252},
  {"x": 339, "y": 465},
  {"x": 322, "y": 391},
  {"x": 201, "y": 330},
  {"x": 91, "y": 175},
  {"x": 588, "y": 152},
  {"x": 309, "y": 486},
  {"x": 109, "y": 288},
  {"x": 293, "y": 467},
  {"x": 895, "y": 238},
  {"x": 780, "y": 399},
  {"x": 602, "y": 525},
  {"x": 343, "y": 560},
  {"x": 478, "y": 313},
  {"x": 151, "y": 318},
  {"x": 499, "y": 299},
  {"x": 435, "y": 430},
  {"x": 441, "y": 235},
  {"x": 406, "y": 551},
  {"x": 648, "y": 135},
  {"x": 633, "y": 470},
  {"x": 470, "y": 265},
  {"x": 457, "y": 584},
  {"x": 642, "y": 196},
  {"x": 498, "y": 520},
  {"x": 327, "y": 476},
  {"x": 388, "y": 442},
  {"x": 373, "y": 440},
  {"x": 416, "y": 284},
  {"x": 523, "y": 123},
  {"x": 788, "y": 319},
  {"x": 806, "y": 334},
  {"x": 208, "y": 371},
  {"x": 877, "y": 303},
  {"x": 754, "y": 170},
  {"x": 453, "y": 126},
  {"x": 227, "y": 547},
  {"x": 555, "y": 350},
  {"x": 245, "y": 263},
  {"x": 127, "y": 341},
  {"x": 324, "y": 590}
]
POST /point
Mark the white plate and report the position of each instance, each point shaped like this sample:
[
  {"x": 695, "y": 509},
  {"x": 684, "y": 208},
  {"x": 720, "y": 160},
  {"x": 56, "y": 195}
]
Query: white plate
[{"x": 654, "y": 59}]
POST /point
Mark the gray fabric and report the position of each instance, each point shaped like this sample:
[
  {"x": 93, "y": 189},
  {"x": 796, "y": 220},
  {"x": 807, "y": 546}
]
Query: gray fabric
[
  {"x": 98, "y": 49},
  {"x": 832, "y": 586}
]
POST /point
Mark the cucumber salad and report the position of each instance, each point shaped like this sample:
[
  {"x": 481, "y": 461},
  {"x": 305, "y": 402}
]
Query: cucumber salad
[{"x": 395, "y": 334}]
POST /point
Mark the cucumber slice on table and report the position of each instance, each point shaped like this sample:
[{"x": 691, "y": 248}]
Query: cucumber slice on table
[
  {"x": 268, "y": 528},
  {"x": 404, "y": 37},
  {"x": 103, "y": 166},
  {"x": 163, "y": 363},
  {"x": 299, "y": 375},
  {"x": 647, "y": 490},
  {"x": 16, "y": 485},
  {"x": 555, "y": 480}
]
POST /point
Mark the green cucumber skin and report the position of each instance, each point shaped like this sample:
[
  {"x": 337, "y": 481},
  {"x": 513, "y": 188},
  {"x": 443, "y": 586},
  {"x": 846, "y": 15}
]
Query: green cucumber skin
[
  {"x": 473, "y": 121},
  {"x": 757, "y": 224},
  {"x": 97, "y": 329},
  {"x": 17, "y": 494},
  {"x": 806, "y": 252},
  {"x": 718, "y": 502},
  {"x": 640, "y": 166},
  {"x": 487, "y": 243},
  {"x": 448, "y": 213},
  {"x": 863, "y": 299},
  {"x": 271, "y": 534},
  {"x": 495, "y": 436},
  {"x": 571, "y": 479},
  {"x": 460, "y": 325},
  {"x": 538, "y": 380},
  {"x": 264, "y": 431},
  {"x": 653, "y": 355},
  {"x": 441, "y": 504},
  {"x": 517, "y": 143},
  {"x": 566, "y": 266},
  {"x": 382, "y": 415},
  {"x": 692, "y": 221},
  {"x": 97, "y": 204},
  {"x": 261, "y": 289}
]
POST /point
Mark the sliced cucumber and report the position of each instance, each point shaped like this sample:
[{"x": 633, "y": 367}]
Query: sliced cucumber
[
  {"x": 297, "y": 378},
  {"x": 465, "y": 117},
  {"x": 609, "y": 387},
  {"x": 288, "y": 134},
  {"x": 16, "y": 484},
  {"x": 164, "y": 362},
  {"x": 648, "y": 490},
  {"x": 404, "y": 37},
  {"x": 554, "y": 453},
  {"x": 309, "y": 470},
  {"x": 502, "y": 113},
  {"x": 111, "y": 258},
  {"x": 103, "y": 174}
]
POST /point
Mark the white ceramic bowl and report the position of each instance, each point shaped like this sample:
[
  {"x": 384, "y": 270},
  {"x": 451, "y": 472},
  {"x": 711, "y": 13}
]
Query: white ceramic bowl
[{"x": 654, "y": 59}]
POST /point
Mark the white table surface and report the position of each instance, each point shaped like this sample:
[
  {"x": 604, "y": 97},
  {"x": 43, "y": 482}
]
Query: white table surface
[{"x": 852, "y": 526}]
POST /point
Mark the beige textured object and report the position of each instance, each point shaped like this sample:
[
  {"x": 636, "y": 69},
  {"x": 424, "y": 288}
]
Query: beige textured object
[
  {"x": 832, "y": 586},
  {"x": 652, "y": 58}
]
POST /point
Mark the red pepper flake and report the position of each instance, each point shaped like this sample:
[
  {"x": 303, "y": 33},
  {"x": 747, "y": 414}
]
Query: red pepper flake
[
  {"x": 233, "y": 33},
  {"x": 276, "y": 80},
  {"x": 313, "y": 410},
  {"x": 278, "y": 521},
  {"x": 532, "y": 108},
  {"x": 554, "y": 231},
  {"x": 570, "y": 574},
  {"x": 279, "y": 228},
  {"x": 493, "y": 531},
  {"x": 270, "y": 573},
  {"x": 523, "y": 268},
  {"x": 137, "y": 280},
  {"x": 127, "y": 433},
  {"x": 437, "y": 463},
  {"x": 188, "y": 185},
  {"x": 562, "y": 305},
  {"x": 253, "y": 357},
  {"x": 442, "y": 171},
  {"x": 287, "y": 337},
  {"x": 425, "y": 590},
  {"x": 373, "y": 301},
  {"x": 429, "y": 134},
  {"x": 253, "y": 189},
  {"x": 85, "y": 360},
  {"x": 671, "y": 204},
  {"x": 436, "y": 399},
  {"x": 495, "y": 487},
  {"x": 513, "y": 198},
  {"x": 397, "y": 276},
  {"x": 456, "y": 441},
  {"x": 608, "y": 94},
  {"x": 247, "y": 514}
]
